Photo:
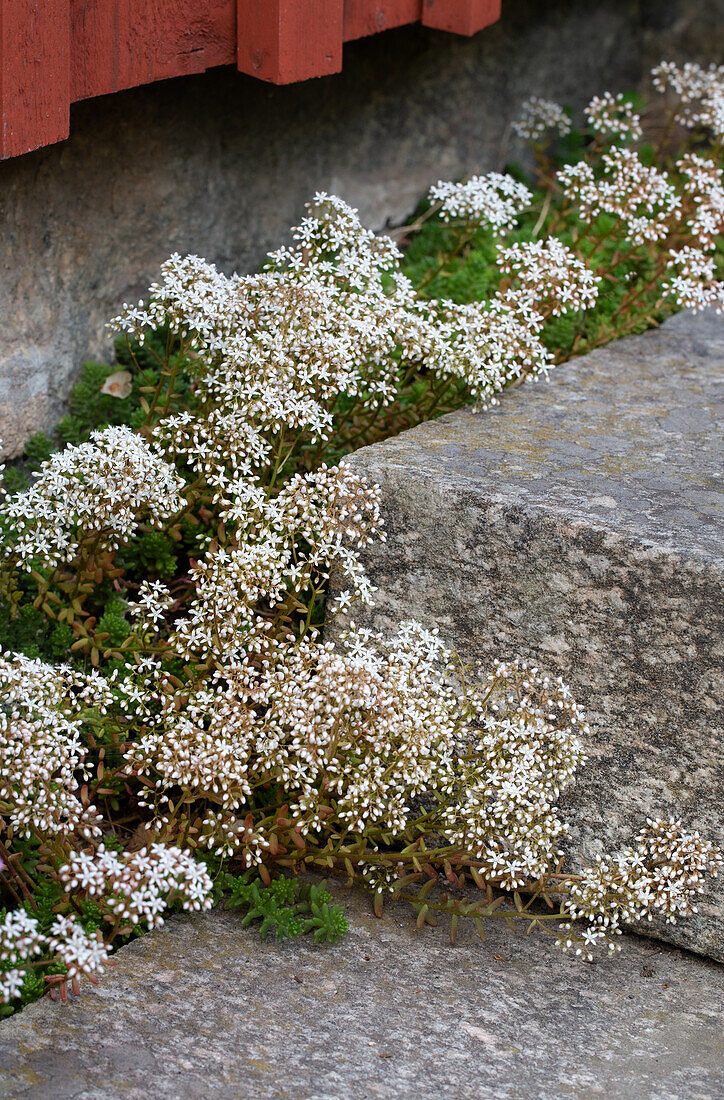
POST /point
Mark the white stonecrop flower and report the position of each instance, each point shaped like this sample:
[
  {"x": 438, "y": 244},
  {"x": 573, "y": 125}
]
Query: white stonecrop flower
[
  {"x": 41, "y": 750},
  {"x": 493, "y": 200},
  {"x": 528, "y": 748},
  {"x": 276, "y": 349},
  {"x": 694, "y": 285},
  {"x": 80, "y": 952},
  {"x": 611, "y": 116},
  {"x": 222, "y": 621},
  {"x": 642, "y": 197},
  {"x": 152, "y": 604},
  {"x": 704, "y": 193},
  {"x": 334, "y": 515},
  {"x": 539, "y": 117},
  {"x": 488, "y": 344},
  {"x": 661, "y": 875},
  {"x": 105, "y": 487},
  {"x": 700, "y": 92},
  {"x": 550, "y": 276},
  {"x": 22, "y": 943},
  {"x": 137, "y": 886}
]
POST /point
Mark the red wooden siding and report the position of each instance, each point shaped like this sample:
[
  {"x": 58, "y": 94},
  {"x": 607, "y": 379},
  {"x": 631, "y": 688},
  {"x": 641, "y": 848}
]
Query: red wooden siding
[
  {"x": 119, "y": 44},
  {"x": 35, "y": 94},
  {"x": 55, "y": 52}
]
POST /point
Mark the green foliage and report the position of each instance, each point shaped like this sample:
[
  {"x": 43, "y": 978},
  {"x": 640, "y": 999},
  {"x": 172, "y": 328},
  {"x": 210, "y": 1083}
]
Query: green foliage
[
  {"x": 154, "y": 554},
  {"x": 287, "y": 907},
  {"x": 60, "y": 640},
  {"x": 89, "y": 409},
  {"x": 25, "y": 629},
  {"x": 15, "y": 479},
  {"x": 37, "y": 449},
  {"x": 113, "y": 622}
]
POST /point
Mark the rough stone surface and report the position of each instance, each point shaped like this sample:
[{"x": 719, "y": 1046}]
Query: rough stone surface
[
  {"x": 221, "y": 164},
  {"x": 202, "y": 1008},
  {"x": 579, "y": 525}
]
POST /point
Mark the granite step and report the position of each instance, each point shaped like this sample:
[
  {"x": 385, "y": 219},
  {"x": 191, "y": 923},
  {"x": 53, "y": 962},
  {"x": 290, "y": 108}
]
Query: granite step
[
  {"x": 203, "y": 1009},
  {"x": 579, "y": 525}
]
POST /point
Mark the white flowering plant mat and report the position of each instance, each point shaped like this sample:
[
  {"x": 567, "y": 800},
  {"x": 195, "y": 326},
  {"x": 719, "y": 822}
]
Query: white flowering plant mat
[{"x": 175, "y": 729}]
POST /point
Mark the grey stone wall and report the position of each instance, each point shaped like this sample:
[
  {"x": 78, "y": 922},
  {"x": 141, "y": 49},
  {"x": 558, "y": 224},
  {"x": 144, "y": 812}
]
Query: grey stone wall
[{"x": 221, "y": 164}]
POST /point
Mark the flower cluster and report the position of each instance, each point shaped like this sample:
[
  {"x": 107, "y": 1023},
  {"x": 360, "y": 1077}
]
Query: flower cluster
[
  {"x": 666, "y": 221},
  {"x": 640, "y": 195},
  {"x": 661, "y": 875},
  {"x": 528, "y": 747},
  {"x": 539, "y": 118},
  {"x": 332, "y": 318},
  {"x": 365, "y": 729},
  {"x": 700, "y": 94},
  {"x": 492, "y": 343},
  {"x": 493, "y": 200},
  {"x": 693, "y": 283},
  {"x": 41, "y": 748},
  {"x": 703, "y": 188},
  {"x": 153, "y": 602},
  {"x": 612, "y": 117},
  {"x": 99, "y": 490},
  {"x": 22, "y": 943},
  {"x": 286, "y": 546},
  {"x": 139, "y": 886},
  {"x": 550, "y": 276}
]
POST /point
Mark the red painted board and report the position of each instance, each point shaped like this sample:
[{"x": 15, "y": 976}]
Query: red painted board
[
  {"x": 460, "y": 16},
  {"x": 34, "y": 74},
  {"x": 284, "y": 41},
  {"x": 364, "y": 17},
  {"x": 122, "y": 43}
]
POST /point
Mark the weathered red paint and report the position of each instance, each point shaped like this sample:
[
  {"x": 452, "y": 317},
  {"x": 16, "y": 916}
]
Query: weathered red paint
[
  {"x": 460, "y": 16},
  {"x": 34, "y": 74},
  {"x": 285, "y": 41},
  {"x": 123, "y": 43},
  {"x": 55, "y": 52}
]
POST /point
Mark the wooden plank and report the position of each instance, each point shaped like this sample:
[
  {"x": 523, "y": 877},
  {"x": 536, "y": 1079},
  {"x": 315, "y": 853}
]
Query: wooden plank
[
  {"x": 460, "y": 16},
  {"x": 284, "y": 41},
  {"x": 34, "y": 74},
  {"x": 365, "y": 17},
  {"x": 123, "y": 43}
]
